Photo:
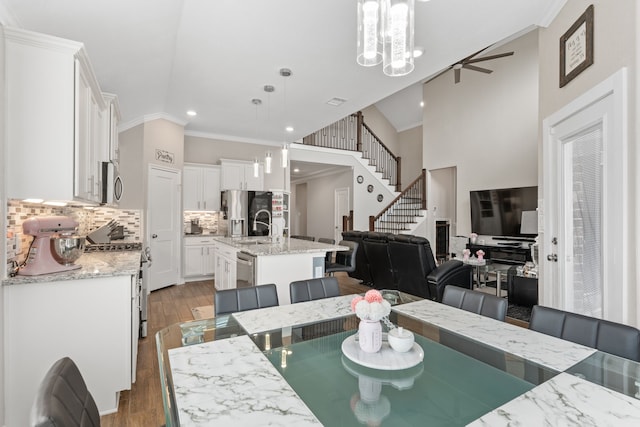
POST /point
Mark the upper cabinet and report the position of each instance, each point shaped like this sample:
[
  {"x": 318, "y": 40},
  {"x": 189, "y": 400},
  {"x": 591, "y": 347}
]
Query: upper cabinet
[
  {"x": 201, "y": 188},
  {"x": 112, "y": 127},
  {"x": 57, "y": 120},
  {"x": 239, "y": 175}
]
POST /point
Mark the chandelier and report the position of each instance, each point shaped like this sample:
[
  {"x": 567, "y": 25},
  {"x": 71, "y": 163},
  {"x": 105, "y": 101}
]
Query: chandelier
[{"x": 385, "y": 34}]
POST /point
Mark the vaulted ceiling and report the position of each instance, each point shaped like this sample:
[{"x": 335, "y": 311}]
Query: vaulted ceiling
[{"x": 215, "y": 56}]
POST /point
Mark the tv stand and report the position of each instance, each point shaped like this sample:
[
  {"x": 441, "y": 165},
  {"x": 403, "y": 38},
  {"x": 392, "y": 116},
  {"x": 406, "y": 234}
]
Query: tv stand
[
  {"x": 505, "y": 254},
  {"x": 516, "y": 239}
]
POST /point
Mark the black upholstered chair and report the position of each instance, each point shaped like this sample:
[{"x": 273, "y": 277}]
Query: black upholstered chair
[
  {"x": 475, "y": 302},
  {"x": 361, "y": 272},
  {"x": 241, "y": 299},
  {"x": 376, "y": 247},
  {"x": 63, "y": 399},
  {"x": 609, "y": 337},
  {"x": 328, "y": 258},
  {"x": 313, "y": 289},
  {"x": 345, "y": 260}
]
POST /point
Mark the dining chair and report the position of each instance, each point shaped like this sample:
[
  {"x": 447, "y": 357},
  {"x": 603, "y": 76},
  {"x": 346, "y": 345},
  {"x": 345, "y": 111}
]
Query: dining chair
[
  {"x": 310, "y": 238},
  {"x": 313, "y": 289},
  {"x": 345, "y": 260},
  {"x": 242, "y": 299},
  {"x": 63, "y": 399},
  {"x": 475, "y": 302},
  {"x": 328, "y": 258},
  {"x": 609, "y": 337}
]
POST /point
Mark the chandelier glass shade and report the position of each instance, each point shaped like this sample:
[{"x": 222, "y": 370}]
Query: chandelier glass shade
[{"x": 386, "y": 34}]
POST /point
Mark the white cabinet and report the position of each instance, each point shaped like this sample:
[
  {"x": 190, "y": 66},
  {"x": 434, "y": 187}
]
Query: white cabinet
[
  {"x": 201, "y": 186},
  {"x": 88, "y": 320},
  {"x": 55, "y": 118},
  {"x": 225, "y": 266},
  {"x": 112, "y": 127},
  {"x": 239, "y": 175},
  {"x": 199, "y": 256}
]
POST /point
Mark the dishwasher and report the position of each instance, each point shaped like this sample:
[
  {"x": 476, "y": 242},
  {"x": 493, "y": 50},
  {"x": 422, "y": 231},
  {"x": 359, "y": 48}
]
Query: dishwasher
[{"x": 245, "y": 269}]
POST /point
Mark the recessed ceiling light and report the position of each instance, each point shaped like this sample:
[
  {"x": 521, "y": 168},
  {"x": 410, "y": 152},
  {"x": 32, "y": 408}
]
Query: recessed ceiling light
[
  {"x": 289, "y": 128},
  {"x": 191, "y": 113},
  {"x": 296, "y": 170},
  {"x": 336, "y": 101},
  {"x": 418, "y": 51},
  {"x": 421, "y": 103}
]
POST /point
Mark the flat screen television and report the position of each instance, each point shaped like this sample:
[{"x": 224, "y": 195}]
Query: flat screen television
[{"x": 498, "y": 212}]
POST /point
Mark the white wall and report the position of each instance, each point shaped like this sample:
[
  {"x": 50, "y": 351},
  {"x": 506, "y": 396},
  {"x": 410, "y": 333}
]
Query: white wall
[
  {"x": 381, "y": 127},
  {"x": 321, "y": 203},
  {"x": 131, "y": 144},
  {"x": 616, "y": 43},
  {"x": 410, "y": 152},
  {"x": 486, "y": 125}
]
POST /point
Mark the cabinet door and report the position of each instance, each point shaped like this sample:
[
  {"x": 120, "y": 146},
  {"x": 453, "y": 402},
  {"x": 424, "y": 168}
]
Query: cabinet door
[
  {"x": 231, "y": 274},
  {"x": 253, "y": 183},
  {"x": 209, "y": 260},
  {"x": 83, "y": 186},
  {"x": 191, "y": 189},
  {"x": 219, "y": 270},
  {"x": 211, "y": 188},
  {"x": 193, "y": 260},
  {"x": 232, "y": 177}
]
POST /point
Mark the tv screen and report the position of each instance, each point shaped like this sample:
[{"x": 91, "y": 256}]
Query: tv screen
[{"x": 499, "y": 212}]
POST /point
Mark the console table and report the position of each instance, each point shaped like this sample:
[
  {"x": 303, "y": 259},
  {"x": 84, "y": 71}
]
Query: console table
[{"x": 503, "y": 253}]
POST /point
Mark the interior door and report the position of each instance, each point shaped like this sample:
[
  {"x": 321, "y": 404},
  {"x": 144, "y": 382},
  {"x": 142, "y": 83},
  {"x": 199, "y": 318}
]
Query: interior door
[
  {"x": 585, "y": 219},
  {"x": 341, "y": 209},
  {"x": 163, "y": 217}
]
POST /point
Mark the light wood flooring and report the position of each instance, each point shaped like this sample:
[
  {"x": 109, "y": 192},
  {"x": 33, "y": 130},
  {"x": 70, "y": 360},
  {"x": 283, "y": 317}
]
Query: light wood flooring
[{"x": 142, "y": 405}]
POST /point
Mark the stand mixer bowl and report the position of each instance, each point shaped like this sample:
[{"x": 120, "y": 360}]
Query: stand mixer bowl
[{"x": 67, "y": 249}]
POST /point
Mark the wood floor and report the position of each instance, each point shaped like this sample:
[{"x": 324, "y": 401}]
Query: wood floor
[{"x": 142, "y": 405}]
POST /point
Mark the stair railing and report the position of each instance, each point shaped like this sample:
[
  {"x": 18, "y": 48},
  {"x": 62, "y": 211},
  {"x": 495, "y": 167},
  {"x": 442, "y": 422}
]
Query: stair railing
[
  {"x": 414, "y": 199},
  {"x": 351, "y": 133}
]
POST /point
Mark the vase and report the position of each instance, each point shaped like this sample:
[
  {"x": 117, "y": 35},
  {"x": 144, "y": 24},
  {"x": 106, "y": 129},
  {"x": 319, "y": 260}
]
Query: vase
[{"x": 370, "y": 335}]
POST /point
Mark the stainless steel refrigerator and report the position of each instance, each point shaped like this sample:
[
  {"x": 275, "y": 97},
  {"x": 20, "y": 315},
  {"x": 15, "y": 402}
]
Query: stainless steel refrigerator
[{"x": 234, "y": 206}]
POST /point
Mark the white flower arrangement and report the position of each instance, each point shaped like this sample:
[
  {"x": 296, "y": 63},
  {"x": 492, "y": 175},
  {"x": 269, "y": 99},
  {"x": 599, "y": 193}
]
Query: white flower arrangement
[{"x": 371, "y": 307}]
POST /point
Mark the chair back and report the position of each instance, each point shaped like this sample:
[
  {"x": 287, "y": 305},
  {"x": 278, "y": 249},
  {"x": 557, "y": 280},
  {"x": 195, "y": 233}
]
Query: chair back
[
  {"x": 242, "y": 299},
  {"x": 310, "y": 238},
  {"x": 63, "y": 399},
  {"x": 411, "y": 265},
  {"x": 313, "y": 289},
  {"x": 345, "y": 260},
  {"x": 328, "y": 258},
  {"x": 609, "y": 337},
  {"x": 362, "y": 263},
  {"x": 475, "y": 302},
  {"x": 376, "y": 246}
]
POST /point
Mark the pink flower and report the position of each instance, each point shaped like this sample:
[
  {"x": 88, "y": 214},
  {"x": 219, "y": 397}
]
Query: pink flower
[
  {"x": 373, "y": 296},
  {"x": 355, "y": 301},
  {"x": 480, "y": 253}
]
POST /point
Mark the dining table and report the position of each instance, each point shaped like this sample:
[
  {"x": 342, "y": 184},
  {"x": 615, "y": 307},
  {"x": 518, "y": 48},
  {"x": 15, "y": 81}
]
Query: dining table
[{"x": 293, "y": 365}]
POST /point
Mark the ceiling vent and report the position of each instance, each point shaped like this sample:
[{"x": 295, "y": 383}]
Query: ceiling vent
[{"x": 336, "y": 101}]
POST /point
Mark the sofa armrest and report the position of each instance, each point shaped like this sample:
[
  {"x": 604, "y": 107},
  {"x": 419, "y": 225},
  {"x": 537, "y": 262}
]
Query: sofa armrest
[{"x": 452, "y": 272}]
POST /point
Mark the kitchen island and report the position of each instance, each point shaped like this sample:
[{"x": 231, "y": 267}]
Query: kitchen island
[
  {"x": 280, "y": 262},
  {"x": 90, "y": 315}
]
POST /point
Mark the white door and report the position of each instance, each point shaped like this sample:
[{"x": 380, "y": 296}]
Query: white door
[
  {"x": 341, "y": 197},
  {"x": 163, "y": 217},
  {"x": 584, "y": 234}
]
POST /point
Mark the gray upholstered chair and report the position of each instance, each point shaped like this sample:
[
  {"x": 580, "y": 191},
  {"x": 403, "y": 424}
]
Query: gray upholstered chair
[
  {"x": 242, "y": 299},
  {"x": 345, "y": 260},
  {"x": 63, "y": 399},
  {"x": 475, "y": 302},
  {"x": 310, "y": 238},
  {"x": 313, "y": 289},
  {"x": 328, "y": 258},
  {"x": 609, "y": 337}
]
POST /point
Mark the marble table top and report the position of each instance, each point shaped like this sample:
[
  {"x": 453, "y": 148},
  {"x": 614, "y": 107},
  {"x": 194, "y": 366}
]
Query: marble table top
[
  {"x": 262, "y": 246},
  {"x": 270, "y": 318},
  {"x": 93, "y": 265},
  {"x": 232, "y": 382},
  {"x": 543, "y": 349}
]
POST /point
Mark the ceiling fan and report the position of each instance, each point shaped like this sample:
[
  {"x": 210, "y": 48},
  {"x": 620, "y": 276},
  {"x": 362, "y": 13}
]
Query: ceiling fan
[{"x": 467, "y": 63}]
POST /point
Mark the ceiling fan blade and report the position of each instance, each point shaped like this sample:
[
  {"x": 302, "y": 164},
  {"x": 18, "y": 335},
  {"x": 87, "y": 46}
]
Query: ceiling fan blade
[
  {"x": 438, "y": 75},
  {"x": 474, "y": 68},
  {"x": 487, "y": 58},
  {"x": 456, "y": 75}
]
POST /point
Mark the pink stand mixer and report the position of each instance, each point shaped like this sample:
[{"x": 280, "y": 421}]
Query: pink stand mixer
[{"x": 54, "y": 248}]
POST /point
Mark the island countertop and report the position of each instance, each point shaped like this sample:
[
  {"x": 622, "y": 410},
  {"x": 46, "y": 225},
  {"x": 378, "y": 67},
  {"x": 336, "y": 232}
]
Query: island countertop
[
  {"x": 263, "y": 246},
  {"x": 93, "y": 264}
]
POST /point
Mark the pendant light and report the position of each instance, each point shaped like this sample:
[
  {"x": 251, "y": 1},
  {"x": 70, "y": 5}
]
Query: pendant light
[
  {"x": 285, "y": 156},
  {"x": 256, "y": 168},
  {"x": 369, "y": 33},
  {"x": 267, "y": 162}
]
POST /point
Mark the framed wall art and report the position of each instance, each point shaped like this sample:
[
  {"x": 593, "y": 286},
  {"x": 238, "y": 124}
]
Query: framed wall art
[{"x": 576, "y": 47}]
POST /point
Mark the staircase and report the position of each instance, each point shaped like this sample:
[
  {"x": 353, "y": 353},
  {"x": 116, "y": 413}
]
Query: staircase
[{"x": 351, "y": 133}]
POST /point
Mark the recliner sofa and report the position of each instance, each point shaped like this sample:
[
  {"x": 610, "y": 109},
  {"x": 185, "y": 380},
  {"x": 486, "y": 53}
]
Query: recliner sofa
[{"x": 406, "y": 263}]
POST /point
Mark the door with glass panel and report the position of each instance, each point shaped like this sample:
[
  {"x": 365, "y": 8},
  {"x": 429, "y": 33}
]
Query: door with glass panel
[{"x": 584, "y": 218}]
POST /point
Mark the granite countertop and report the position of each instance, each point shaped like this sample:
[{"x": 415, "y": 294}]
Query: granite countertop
[
  {"x": 204, "y": 234},
  {"x": 93, "y": 265},
  {"x": 262, "y": 246}
]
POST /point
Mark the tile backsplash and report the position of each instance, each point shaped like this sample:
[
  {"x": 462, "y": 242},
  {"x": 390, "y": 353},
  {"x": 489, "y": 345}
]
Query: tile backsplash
[
  {"x": 88, "y": 220},
  {"x": 209, "y": 221}
]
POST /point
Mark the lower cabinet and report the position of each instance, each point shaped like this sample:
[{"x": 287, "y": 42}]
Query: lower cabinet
[
  {"x": 199, "y": 257},
  {"x": 225, "y": 266},
  {"x": 89, "y": 320}
]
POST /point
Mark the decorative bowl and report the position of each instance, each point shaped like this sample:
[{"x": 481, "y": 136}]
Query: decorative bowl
[
  {"x": 67, "y": 249},
  {"x": 400, "y": 339}
]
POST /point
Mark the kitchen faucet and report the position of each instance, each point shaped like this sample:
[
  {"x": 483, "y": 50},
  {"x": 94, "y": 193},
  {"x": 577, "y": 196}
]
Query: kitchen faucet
[{"x": 256, "y": 222}]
